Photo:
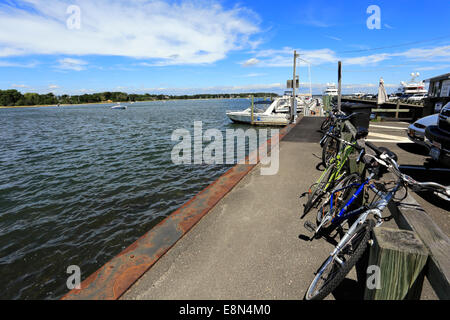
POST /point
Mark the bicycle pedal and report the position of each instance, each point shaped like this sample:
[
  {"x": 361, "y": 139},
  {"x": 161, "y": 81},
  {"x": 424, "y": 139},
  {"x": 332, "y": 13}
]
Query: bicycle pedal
[{"x": 310, "y": 226}]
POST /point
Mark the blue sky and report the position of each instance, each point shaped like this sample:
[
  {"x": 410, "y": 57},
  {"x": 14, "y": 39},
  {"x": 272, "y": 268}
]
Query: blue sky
[{"x": 186, "y": 47}]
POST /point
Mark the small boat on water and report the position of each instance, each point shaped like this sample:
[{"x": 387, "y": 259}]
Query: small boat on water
[
  {"x": 277, "y": 114},
  {"x": 119, "y": 106}
]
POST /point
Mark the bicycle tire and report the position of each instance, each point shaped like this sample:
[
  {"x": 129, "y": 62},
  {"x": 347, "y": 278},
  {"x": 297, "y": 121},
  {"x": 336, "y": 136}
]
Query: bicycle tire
[
  {"x": 330, "y": 150},
  {"x": 316, "y": 193},
  {"x": 364, "y": 232},
  {"x": 325, "y": 124}
]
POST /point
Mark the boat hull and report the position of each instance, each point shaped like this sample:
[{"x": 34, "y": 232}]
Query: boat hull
[{"x": 259, "y": 119}]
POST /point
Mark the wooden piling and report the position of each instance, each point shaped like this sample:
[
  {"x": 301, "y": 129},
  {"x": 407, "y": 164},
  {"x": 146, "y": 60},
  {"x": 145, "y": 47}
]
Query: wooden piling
[
  {"x": 400, "y": 256},
  {"x": 253, "y": 105},
  {"x": 398, "y": 108}
]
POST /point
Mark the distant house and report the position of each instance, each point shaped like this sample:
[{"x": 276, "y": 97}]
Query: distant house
[{"x": 438, "y": 93}]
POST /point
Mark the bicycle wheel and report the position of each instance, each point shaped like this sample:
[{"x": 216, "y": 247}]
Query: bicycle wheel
[
  {"x": 318, "y": 190},
  {"x": 331, "y": 273},
  {"x": 325, "y": 124},
  {"x": 330, "y": 150},
  {"x": 340, "y": 198}
]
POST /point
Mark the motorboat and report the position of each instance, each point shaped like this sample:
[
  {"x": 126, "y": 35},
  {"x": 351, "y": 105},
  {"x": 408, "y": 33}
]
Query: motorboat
[
  {"x": 276, "y": 114},
  {"x": 268, "y": 117},
  {"x": 330, "y": 90},
  {"x": 119, "y": 106}
]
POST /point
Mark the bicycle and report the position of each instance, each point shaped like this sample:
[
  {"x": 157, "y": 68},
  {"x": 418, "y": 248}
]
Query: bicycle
[
  {"x": 334, "y": 126},
  {"x": 334, "y": 172},
  {"x": 354, "y": 242}
]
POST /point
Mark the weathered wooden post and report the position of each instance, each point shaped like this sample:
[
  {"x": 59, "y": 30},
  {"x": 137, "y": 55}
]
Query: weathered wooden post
[
  {"x": 397, "y": 260},
  {"x": 339, "y": 84},
  {"x": 398, "y": 108}
]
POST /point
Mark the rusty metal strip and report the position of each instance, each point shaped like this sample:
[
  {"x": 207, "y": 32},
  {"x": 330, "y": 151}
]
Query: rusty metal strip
[{"x": 112, "y": 280}]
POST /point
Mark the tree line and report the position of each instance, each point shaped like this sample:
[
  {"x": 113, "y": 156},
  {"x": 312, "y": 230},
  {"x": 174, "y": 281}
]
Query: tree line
[{"x": 15, "y": 98}]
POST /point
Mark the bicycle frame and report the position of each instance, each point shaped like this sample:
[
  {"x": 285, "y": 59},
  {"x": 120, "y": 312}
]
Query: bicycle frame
[
  {"x": 341, "y": 160},
  {"x": 379, "y": 206},
  {"x": 376, "y": 210}
]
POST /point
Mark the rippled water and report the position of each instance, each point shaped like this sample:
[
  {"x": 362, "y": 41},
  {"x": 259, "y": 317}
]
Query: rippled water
[{"x": 79, "y": 184}]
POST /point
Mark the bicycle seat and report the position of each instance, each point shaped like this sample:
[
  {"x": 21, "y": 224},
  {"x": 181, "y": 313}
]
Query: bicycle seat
[
  {"x": 361, "y": 133},
  {"x": 391, "y": 154}
]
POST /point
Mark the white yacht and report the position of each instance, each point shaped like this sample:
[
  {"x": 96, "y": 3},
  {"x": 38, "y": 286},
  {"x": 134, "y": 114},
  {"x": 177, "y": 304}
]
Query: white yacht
[
  {"x": 331, "y": 90},
  {"x": 412, "y": 87}
]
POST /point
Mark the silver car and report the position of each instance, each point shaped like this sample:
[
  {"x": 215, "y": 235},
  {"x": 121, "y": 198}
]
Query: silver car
[{"x": 416, "y": 131}]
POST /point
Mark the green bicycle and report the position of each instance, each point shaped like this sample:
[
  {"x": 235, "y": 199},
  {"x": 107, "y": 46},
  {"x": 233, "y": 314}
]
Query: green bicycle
[{"x": 337, "y": 170}]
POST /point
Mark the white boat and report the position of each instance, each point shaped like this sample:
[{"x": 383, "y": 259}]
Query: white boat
[
  {"x": 276, "y": 114},
  {"x": 330, "y": 90},
  {"x": 119, "y": 106},
  {"x": 412, "y": 87}
]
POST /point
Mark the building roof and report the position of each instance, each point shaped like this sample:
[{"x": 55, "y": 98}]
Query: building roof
[{"x": 441, "y": 77}]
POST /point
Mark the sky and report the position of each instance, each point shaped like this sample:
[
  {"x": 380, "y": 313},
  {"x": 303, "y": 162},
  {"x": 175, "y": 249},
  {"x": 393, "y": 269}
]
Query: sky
[{"x": 190, "y": 47}]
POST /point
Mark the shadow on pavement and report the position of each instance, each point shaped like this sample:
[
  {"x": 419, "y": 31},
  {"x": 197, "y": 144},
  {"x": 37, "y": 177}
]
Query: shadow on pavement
[
  {"x": 414, "y": 148},
  {"x": 434, "y": 199},
  {"x": 348, "y": 290}
]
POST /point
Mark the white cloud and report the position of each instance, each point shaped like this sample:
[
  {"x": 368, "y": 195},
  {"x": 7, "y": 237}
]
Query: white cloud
[
  {"x": 263, "y": 87},
  {"x": 182, "y": 32},
  {"x": 255, "y": 75},
  {"x": 364, "y": 60},
  {"x": 283, "y": 57},
  {"x": 279, "y": 88},
  {"x": 250, "y": 62},
  {"x": 428, "y": 54},
  {"x": 19, "y": 86},
  {"x": 334, "y": 38},
  {"x": 438, "y": 67},
  {"x": 72, "y": 64},
  {"x": 17, "y": 65},
  {"x": 53, "y": 86}
]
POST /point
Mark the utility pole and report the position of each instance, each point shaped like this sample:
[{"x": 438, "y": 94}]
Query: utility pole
[
  {"x": 294, "y": 84},
  {"x": 339, "y": 84}
]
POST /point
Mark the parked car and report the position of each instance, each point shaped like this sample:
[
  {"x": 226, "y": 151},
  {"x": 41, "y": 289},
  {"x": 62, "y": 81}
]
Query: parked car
[
  {"x": 437, "y": 137},
  {"x": 418, "y": 97},
  {"x": 368, "y": 96},
  {"x": 416, "y": 130}
]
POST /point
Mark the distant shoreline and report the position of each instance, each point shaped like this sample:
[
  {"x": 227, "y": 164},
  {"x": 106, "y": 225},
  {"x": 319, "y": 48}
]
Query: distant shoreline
[{"x": 104, "y": 103}]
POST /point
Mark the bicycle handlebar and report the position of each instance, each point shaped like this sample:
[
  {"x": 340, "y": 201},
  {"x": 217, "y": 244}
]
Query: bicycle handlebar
[{"x": 382, "y": 157}]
